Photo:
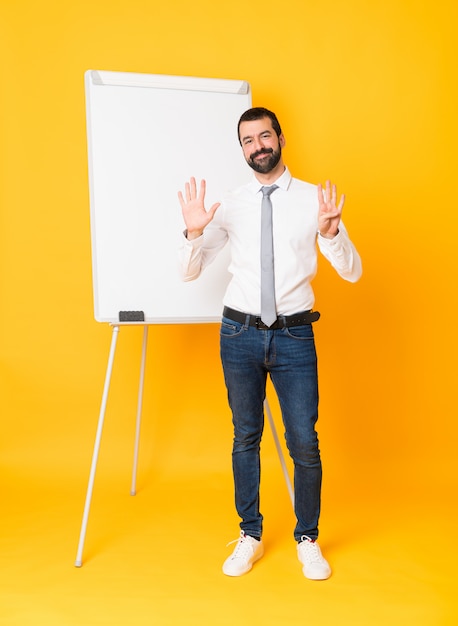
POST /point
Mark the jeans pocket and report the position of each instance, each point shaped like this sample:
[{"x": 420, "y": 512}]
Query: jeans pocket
[
  {"x": 229, "y": 328},
  {"x": 304, "y": 332}
]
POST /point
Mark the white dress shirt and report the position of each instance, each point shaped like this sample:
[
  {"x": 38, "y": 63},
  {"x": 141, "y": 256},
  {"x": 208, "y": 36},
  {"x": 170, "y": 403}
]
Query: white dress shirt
[{"x": 295, "y": 234}]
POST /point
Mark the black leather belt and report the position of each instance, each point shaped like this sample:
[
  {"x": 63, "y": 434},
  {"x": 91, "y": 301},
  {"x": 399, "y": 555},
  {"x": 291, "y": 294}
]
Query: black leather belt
[{"x": 283, "y": 321}]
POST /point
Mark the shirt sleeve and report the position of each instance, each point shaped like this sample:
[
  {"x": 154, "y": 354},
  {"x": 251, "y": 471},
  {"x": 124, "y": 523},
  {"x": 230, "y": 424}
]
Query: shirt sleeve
[
  {"x": 342, "y": 255},
  {"x": 197, "y": 254}
]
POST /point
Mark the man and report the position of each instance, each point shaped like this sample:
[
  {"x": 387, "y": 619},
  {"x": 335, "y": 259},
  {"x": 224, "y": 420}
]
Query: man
[{"x": 302, "y": 217}]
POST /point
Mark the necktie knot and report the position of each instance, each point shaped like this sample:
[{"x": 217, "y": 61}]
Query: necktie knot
[{"x": 266, "y": 191}]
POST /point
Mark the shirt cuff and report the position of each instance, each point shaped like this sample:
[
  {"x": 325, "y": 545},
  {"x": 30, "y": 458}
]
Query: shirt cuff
[
  {"x": 194, "y": 243},
  {"x": 334, "y": 240}
]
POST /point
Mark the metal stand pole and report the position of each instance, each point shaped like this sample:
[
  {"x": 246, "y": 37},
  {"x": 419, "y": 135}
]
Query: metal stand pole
[
  {"x": 279, "y": 451},
  {"x": 95, "y": 454},
  {"x": 133, "y": 489}
]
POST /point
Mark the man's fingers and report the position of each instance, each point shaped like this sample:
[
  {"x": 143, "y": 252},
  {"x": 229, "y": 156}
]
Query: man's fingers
[
  {"x": 190, "y": 193},
  {"x": 320, "y": 193},
  {"x": 193, "y": 188},
  {"x": 341, "y": 203},
  {"x": 214, "y": 208},
  {"x": 202, "y": 191},
  {"x": 190, "y": 190},
  {"x": 334, "y": 194},
  {"x": 328, "y": 196}
]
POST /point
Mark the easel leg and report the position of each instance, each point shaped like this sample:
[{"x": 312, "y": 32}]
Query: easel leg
[
  {"x": 95, "y": 454},
  {"x": 133, "y": 489},
  {"x": 279, "y": 450}
]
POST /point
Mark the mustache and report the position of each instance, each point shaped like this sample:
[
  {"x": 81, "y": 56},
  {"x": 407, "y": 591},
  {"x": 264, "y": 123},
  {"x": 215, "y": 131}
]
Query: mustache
[{"x": 266, "y": 151}]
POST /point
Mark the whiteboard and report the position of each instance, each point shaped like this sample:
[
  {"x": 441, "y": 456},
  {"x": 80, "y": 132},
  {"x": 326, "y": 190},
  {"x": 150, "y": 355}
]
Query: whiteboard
[{"x": 147, "y": 135}]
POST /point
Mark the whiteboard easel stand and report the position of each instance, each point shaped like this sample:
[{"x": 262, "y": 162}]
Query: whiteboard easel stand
[
  {"x": 98, "y": 438},
  {"x": 279, "y": 451},
  {"x": 133, "y": 488}
]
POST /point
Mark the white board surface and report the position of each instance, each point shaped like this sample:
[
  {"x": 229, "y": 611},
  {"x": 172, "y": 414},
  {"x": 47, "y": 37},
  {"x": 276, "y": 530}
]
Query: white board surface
[{"x": 147, "y": 135}]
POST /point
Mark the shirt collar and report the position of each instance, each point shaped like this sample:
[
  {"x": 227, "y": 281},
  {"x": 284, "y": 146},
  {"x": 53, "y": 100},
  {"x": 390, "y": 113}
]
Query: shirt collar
[{"x": 282, "y": 182}]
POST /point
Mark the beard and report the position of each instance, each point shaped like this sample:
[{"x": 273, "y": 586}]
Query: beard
[{"x": 268, "y": 163}]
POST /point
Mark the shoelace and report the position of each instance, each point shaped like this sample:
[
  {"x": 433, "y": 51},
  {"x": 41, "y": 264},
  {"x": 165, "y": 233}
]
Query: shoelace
[
  {"x": 243, "y": 549},
  {"x": 310, "y": 548}
]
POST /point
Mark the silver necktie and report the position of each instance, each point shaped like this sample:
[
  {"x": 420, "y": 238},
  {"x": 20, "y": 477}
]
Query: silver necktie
[{"x": 268, "y": 308}]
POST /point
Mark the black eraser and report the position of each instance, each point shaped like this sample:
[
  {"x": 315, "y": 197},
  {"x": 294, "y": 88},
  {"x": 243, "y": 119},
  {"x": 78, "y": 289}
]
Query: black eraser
[{"x": 131, "y": 316}]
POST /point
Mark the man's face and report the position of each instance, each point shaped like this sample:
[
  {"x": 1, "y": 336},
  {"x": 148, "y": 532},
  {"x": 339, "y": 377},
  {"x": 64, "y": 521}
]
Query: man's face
[{"x": 261, "y": 145}]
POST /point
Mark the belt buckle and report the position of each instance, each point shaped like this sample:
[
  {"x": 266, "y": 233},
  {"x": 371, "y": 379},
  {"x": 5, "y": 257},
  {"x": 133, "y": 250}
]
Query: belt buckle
[{"x": 260, "y": 324}]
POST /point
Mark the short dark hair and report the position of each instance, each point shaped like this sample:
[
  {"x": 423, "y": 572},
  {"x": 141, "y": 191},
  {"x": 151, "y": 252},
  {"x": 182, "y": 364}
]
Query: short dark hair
[{"x": 258, "y": 113}]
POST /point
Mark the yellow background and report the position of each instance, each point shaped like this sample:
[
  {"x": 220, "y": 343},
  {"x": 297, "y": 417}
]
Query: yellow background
[{"x": 366, "y": 94}]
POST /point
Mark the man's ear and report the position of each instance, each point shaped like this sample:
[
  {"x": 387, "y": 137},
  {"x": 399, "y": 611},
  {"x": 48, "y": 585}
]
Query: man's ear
[{"x": 282, "y": 140}]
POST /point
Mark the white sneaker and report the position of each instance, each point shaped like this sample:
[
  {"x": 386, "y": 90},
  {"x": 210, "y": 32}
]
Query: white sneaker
[
  {"x": 314, "y": 564},
  {"x": 246, "y": 552}
]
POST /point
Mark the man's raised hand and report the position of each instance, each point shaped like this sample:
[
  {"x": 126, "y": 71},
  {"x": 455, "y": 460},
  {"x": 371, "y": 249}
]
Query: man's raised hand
[
  {"x": 195, "y": 216},
  {"x": 329, "y": 213}
]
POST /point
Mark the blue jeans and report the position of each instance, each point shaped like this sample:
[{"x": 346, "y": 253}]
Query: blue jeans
[{"x": 288, "y": 355}]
